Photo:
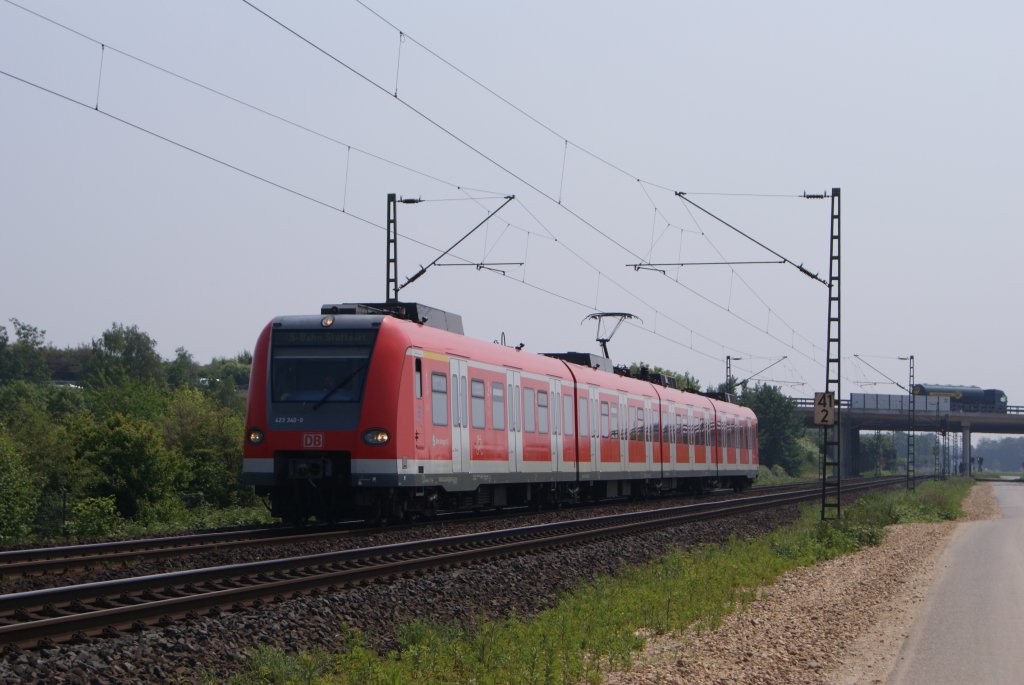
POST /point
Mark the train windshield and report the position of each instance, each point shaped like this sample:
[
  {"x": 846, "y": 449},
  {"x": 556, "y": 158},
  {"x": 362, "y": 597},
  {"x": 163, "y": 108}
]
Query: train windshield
[{"x": 320, "y": 366}]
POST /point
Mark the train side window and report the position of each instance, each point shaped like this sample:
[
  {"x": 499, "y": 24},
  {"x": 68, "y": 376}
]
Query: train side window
[
  {"x": 478, "y": 415},
  {"x": 641, "y": 433},
  {"x": 465, "y": 403},
  {"x": 511, "y": 409},
  {"x": 614, "y": 418},
  {"x": 419, "y": 378},
  {"x": 529, "y": 410},
  {"x": 567, "y": 413},
  {"x": 519, "y": 409},
  {"x": 583, "y": 425},
  {"x": 542, "y": 411},
  {"x": 498, "y": 405},
  {"x": 439, "y": 399},
  {"x": 605, "y": 422},
  {"x": 455, "y": 400}
]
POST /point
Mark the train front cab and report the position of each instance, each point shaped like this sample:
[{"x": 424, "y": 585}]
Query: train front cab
[{"x": 312, "y": 377}]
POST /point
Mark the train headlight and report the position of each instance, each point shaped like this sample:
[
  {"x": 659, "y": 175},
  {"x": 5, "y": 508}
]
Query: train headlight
[
  {"x": 255, "y": 436},
  {"x": 376, "y": 436}
]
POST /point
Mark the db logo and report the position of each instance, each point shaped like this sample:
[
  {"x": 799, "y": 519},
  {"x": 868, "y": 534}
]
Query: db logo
[{"x": 312, "y": 441}]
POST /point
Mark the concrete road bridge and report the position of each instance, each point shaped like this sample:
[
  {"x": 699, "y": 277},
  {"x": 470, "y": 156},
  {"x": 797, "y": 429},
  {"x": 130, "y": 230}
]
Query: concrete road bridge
[{"x": 854, "y": 419}]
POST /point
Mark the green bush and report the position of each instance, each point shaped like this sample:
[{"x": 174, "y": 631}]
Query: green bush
[
  {"x": 94, "y": 517},
  {"x": 209, "y": 437},
  {"x": 931, "y": 501},
  {"x": 133, "y": 463},
  {"x": 19, "y": 498}
]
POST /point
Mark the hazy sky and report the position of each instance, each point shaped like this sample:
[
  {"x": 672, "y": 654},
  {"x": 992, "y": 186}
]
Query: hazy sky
[{"x": 130, "y": 195}]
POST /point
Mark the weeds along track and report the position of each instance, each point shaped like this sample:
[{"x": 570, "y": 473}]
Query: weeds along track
[{"x": 43, "y": 617}]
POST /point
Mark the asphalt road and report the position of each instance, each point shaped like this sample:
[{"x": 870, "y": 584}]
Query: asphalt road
[{"x": 971, "y": 626}]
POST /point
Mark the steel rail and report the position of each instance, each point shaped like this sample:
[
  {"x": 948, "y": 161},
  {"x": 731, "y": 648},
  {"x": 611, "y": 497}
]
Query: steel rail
[
  {"x": 42, "y": 560},
  {"x": 62, "y": 613}
]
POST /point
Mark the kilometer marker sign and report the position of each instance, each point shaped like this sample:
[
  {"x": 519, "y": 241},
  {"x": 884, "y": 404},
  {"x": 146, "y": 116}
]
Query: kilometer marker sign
[{"x": 825, "y": 408}]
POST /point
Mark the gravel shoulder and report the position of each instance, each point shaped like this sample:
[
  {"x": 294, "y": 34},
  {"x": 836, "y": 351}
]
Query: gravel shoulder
[{"x": 841, "y": 622}]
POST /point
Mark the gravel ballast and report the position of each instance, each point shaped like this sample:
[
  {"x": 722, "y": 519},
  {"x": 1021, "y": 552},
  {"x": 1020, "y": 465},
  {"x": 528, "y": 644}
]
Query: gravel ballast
[
  {"x": 840, "y": 622},
  {"x": 184, "y": 651},
  {"x": 805, "y": 629}
]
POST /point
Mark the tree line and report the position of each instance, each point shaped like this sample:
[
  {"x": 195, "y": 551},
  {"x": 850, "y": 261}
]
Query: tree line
[{"x": 108, "y": 434}]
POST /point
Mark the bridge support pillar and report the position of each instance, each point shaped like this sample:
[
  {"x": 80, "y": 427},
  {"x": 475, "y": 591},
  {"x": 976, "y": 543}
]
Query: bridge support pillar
[
  {"x": 967, "y": 470},
  {"x": 849, "y": 439}
]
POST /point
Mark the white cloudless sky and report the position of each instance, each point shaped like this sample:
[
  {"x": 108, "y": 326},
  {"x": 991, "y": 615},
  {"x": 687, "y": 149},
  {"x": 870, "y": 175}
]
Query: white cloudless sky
[{"x": 130, "y": 195}]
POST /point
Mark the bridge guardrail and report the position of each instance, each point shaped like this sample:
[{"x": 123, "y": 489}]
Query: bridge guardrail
[{"x": 808, "y": 403}]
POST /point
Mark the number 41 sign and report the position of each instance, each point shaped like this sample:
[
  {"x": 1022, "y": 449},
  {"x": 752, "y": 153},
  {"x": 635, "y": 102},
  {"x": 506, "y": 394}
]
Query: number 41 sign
[{"x": 825, "y": 408}]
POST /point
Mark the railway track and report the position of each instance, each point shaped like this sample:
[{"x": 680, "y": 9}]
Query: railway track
[
  {"x": 43, "y": 617},
  {"x": 39, "y": 561},
  {"x": 46, "y": 559}
]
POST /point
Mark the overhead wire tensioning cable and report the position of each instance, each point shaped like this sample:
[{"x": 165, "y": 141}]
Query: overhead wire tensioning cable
[
  {"x": 490, "y": 159},
  {"x": 266, "y": 180},
  {"x": 328, "y": 205}
]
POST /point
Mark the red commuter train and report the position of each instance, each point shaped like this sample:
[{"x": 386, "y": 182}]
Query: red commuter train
[{"x": 355, "y": 414}]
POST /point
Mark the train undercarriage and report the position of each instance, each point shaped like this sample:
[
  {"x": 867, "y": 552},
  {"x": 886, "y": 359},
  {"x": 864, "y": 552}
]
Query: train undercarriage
[{"x": 332, "y": 500}]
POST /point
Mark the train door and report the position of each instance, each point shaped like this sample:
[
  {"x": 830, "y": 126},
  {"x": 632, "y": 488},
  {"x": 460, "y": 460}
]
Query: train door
[
  {"x": 731, "y": 441},
  {"x": 648, "y": 436},
  {"x": 460, "y": 416},
  {"x": 620, "y": 425},
  {"x": 668, "y": 437},
  {"x": 709, "y": 436},
  {"x": 595, "y": 430},
  {"x": 515, "y": 410},
  {"x": 555, "y": 388},
  {"x": 569, "y": 455},
  {"x": 583, "y": 431},
  {"x": 419, "y": 426},
  {"x": 635, "y": 432},
  {"x": 715, "y": 439},
  {"x": 689, "y": 450}
]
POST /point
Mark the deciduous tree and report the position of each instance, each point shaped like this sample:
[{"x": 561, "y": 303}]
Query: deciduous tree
[
  {"x": 25, "y": 358},
  {"x": 778, "y": 429},
  {"x": 19, "y": 499},
  {"x": 122, "y": 354}
]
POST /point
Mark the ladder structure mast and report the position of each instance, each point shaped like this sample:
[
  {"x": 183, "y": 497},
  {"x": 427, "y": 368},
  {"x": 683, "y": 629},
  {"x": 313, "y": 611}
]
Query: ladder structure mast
[
  {"x": 392, "y": 258},
  {"x": 831, "y": 474},
  {"x": 911, "y": 456}
]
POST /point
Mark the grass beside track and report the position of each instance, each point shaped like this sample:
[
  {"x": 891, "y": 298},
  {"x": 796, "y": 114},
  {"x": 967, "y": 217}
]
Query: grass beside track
[{"x": 605, "y": 623}]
